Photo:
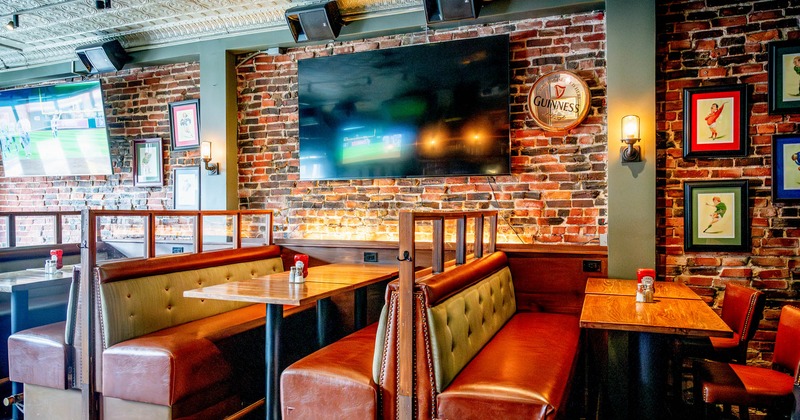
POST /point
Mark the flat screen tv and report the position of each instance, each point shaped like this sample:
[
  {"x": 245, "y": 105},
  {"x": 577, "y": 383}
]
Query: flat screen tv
[
  {"x": 54, "y": 130},
  {"x": 424, "y": 110}
]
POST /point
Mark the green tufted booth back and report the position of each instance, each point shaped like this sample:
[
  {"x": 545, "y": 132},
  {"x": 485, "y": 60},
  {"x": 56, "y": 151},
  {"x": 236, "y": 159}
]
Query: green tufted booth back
[
  {"x": 461, "y": 325},
  {"x": 134, "y": 307}
]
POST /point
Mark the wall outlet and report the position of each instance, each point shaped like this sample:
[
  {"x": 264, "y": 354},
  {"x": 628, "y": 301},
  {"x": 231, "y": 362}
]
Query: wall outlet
[
  {"x": 370, "y": 257},
  {"x": 592, "y": 266},
  {"x": 603, "y": 239}
]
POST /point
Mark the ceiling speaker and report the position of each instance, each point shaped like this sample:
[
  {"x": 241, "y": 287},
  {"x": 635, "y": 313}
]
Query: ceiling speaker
[
  {"x": 444, "y": 10},
  {"x": 315, "y": 22},
  {"x": 104, "y": 57}
]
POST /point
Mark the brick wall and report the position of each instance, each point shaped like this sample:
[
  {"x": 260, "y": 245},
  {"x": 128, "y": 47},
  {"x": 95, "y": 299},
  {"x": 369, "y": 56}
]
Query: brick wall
[
  {"x": 557, "y": 190},
  {"x": 136, "y": 106},
  {"x": 716, "y": 42}
]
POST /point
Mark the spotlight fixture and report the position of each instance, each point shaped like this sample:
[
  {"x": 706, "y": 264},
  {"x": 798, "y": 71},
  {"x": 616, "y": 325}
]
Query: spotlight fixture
[
  {"x": 13, "y": 23},
  {"x": 102, "y": 4}
]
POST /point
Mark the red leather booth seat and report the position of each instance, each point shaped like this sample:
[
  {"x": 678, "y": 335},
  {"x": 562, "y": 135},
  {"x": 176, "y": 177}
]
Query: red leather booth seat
[
  {"x": 34, "y": 348},
  {"x": 524, "y": 372},
  {"x": 333, "y": 383},
  {"x": 174, "y": 366}
]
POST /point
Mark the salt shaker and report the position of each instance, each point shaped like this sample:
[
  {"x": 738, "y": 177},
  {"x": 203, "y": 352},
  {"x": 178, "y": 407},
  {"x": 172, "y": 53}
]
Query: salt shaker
[
  {"x": 640, "y": 293},
  {"x": 300, "y": 268},
  {"x": 292, "y": 274}
]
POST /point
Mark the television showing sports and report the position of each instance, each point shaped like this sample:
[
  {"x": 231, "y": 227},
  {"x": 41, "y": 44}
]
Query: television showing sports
[
  {"x": 424, "y": 110},
  {"x": 54, "y": 130}
]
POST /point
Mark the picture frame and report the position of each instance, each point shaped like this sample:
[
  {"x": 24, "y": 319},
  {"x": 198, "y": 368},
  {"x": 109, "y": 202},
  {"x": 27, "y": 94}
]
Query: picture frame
[
  {"x": 786, "y": 168},
  {"x": 186, "y": 188},
  {"x": 783, "y": 68},
  {"x": 148, "y": 163},
  {"x": 184, "y": 124},
  {"x": 715, "y": 121},
  {"x": 716, "y": 216}
]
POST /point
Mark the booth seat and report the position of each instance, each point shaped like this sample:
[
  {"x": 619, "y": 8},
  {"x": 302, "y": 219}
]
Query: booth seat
[
  {"x": 478, "y": 357},
  {"x": 159, "y": 355}
]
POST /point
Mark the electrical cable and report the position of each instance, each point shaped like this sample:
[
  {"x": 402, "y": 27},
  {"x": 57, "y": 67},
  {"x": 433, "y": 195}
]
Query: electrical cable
[{"x": 489, "y": 180}]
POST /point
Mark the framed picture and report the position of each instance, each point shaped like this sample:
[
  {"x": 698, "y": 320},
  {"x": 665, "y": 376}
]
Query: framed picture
[
  {"x": 716, "y": 216},
  {"x": 184, "y": 123},
  {"x": 786, "y": 168},
  {"x": 186, "y": 184},
  {"x": 783, "y": 93},
  {"x": 148, "y": 163},
  {"x": 715, "y": 121}
]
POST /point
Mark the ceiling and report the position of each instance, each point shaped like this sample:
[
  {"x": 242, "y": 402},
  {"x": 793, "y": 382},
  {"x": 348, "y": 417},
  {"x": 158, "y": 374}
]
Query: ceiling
[{"x": 50, "y": 30}]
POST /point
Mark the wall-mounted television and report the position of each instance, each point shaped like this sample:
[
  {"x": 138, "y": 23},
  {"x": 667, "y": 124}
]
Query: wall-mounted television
[
  {"x": 54, "y": 130},
  {"x": 425, "y": 110}
]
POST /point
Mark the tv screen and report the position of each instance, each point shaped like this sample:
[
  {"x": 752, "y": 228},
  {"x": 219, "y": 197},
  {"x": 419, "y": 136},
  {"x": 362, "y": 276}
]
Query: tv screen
[
  {"x": 54, "y": 130},
  {"x": 424, "y": 110}
]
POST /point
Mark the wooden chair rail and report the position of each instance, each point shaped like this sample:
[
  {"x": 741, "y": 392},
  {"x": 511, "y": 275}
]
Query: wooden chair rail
[{"x": 406, "y": 256}]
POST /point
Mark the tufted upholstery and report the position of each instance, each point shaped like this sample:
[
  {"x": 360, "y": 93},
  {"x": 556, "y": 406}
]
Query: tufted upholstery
[
  {"x": 181, "y": 354},
  {"x": 135, "y": 307},
  {"x": 465, "y": 322}
]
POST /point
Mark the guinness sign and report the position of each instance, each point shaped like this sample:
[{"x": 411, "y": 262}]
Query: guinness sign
[{"x": 559, "y": 101}]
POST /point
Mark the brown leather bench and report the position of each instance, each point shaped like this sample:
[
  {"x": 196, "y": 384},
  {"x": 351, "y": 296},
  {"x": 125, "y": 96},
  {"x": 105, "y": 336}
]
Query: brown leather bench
[
  {"x": 162, "y": 355},
  {"x": 478, "y": 357}
]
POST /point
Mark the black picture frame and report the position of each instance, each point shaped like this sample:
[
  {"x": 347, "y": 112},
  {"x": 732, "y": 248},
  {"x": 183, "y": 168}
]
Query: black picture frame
[
  {"x": 148, "y": 163},
  {"x": 786, "y": 168},
  {"x": 184, "y": 124},
  {"x": 729, "y": 231},
  {"x": 715, "y": 133},
  {"x": 783, "y": 68},
  {"x": 186, "y": 188}
]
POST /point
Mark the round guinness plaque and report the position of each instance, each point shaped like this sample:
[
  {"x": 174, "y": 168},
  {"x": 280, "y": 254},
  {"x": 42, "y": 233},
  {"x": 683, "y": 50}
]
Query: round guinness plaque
[{"x": 559, "y": 101}]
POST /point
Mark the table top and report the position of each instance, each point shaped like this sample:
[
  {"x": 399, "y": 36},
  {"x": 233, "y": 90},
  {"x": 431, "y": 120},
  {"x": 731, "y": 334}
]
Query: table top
[
  {"x": 665, "y": 289},
  {"x": 666, "y": 316},
  {"x": 322, "y": 281},
  {"x": 15, "y": 281}
]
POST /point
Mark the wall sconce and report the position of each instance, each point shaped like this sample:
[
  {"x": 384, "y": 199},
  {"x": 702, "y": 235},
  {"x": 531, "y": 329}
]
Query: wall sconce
[
  {"x": 13, "y": 23},
  {"x": 205, "y": 154},
  {"x": 630, "y": 135}
]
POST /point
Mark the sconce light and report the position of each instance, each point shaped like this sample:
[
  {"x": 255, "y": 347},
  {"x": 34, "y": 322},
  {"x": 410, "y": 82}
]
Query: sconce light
[
  {"x": 205, "y": 154},
  {"x": 13, "y": 23},
  {"x": 630, "y": 135}
]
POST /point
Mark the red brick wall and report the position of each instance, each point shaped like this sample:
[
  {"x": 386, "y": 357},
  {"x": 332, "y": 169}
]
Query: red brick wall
[
  {"x": 136, "y": 106},
  {"x": 555, "y": 194},
  {"x": 719, "y": 43}
]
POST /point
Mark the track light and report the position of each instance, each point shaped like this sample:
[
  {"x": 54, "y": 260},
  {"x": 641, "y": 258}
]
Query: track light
[
  {"x": 102, "y": 4},
  {"x": 13, "y": 23}
]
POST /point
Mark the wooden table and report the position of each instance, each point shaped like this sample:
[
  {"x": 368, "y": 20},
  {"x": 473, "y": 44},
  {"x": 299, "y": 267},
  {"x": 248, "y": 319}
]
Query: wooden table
[
  {"x": 18, "y": 284},
  {"x": 275, "y": 291},
  {"x": 638, "y": 332},
  {"x": 668, "y": 289}
]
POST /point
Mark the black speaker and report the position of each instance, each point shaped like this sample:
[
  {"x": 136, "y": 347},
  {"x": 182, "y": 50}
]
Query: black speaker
[
  {"x": 444, "y": 10},
  {"x": 315, "y": 22},
  {"x": 100, "y": 58}
]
